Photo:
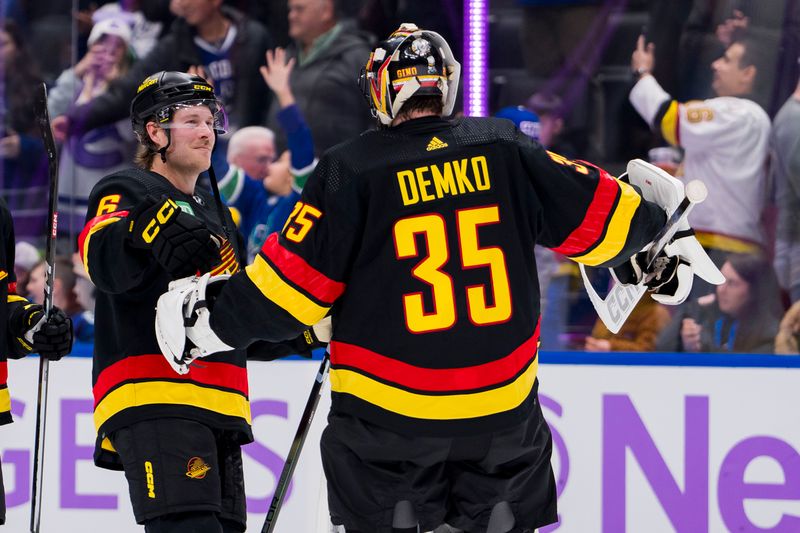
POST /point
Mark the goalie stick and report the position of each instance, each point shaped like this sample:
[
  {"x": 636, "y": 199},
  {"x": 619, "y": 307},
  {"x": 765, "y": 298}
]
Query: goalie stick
[
  {"x": 43, "y": 119},
  {"x": 620, "y": 301},
  {"x": 297, "y": 446}
]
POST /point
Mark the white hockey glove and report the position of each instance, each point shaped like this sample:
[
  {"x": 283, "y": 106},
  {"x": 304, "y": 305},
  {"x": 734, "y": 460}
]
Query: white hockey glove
[
  {"x": 182, "y": 313},
  {"x": 669, "y": 278}
]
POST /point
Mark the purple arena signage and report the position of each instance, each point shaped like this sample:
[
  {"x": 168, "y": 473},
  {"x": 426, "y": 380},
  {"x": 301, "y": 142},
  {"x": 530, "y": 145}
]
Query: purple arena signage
[{"x": 631, "y": 446}]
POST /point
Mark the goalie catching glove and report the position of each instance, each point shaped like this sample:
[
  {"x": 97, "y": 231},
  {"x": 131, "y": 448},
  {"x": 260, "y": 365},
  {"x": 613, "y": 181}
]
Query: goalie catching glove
[
  {"x": 180, "y": 242},
  {"x": 34, "y": 333},
  {"x": 670, "y": 277},
  {"x": 183, "y": 313}
]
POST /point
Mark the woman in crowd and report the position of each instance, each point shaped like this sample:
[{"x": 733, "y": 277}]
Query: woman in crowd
[{"x": 741, "y": 316}]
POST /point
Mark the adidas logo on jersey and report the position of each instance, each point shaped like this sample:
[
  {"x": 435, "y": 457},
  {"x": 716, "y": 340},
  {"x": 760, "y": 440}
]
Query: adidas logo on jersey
[{"x": 435, "y": 144}]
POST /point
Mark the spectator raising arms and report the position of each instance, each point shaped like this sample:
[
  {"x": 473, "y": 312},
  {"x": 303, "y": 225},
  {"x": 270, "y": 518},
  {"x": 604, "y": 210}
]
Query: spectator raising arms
[
  {"x": 265, "y": 209},
  {"x": 327, "y": 53},
  {"x": 725, "y": 142}
]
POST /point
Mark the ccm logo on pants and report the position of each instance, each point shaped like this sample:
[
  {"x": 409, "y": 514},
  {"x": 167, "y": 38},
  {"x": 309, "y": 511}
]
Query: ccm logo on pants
[{"x": 151, "y": 482}]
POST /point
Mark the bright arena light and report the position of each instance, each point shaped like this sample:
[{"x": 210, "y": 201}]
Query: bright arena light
[{"x": 475, "y": 43}]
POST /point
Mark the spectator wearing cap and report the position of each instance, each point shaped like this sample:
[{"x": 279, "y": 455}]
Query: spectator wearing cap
[
  {"x": 26, "y": 256},
  {"x": 526, "y": 120},
  {"x": 85, "y": 159},
  {"x": 144, "y": 32},
  {"x": 528, "y": 123},
  {"x": 225, "y": 43}
]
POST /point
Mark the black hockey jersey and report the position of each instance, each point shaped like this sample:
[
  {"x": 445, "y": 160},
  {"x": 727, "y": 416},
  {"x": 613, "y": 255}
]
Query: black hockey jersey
[
  {"x": 9, "y": 301},
  {"x": 131, "y": 379},
  {"x": 419, "y": 240}
]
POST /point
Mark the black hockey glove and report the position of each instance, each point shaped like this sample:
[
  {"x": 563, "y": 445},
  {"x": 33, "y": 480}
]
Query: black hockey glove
[
  {"x": 180, "y": 242},
  {"x": 51, "y": 338},
  {"x": 317, "y": 336}
]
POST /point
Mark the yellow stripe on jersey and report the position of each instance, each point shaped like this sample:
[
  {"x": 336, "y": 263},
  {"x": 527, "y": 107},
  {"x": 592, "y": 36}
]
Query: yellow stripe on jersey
[
  {"x": 5, "y": 400},
  {"x": 726, "y": 243},
  {"x": 431, "y": 406},
  {"x": 97, "y": 227},
  {"x": 669, "y": 123},
  {"x": 3, "y": 275},
  {"x": 165, "y": 392},
  {"x": 16, "y": 298},
  {"x": 275, "y": 289},
  {"x": 618, "y": 226}
]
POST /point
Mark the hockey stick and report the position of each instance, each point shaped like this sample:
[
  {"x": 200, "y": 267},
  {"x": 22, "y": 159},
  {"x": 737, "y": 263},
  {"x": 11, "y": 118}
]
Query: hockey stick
[
  {"x": 212, "y": 177},
  {"x": 297, "y": 446},
  {"x": 43, "y": 118},
  {"x": 622, "y": 299}
]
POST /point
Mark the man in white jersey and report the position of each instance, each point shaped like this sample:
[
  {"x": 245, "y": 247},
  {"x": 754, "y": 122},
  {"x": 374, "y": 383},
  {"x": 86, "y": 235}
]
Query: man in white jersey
[{"x": 725, "y": 140}]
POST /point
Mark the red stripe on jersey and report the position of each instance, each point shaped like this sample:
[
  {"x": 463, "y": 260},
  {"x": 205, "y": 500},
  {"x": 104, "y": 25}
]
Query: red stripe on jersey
[
  {"x": 12, "y": 287},
  {"x": 3, "y": 372},
  {"x": 593, "y": 224},
  {"x": 435, "y": 379},
  {"x": 87, "y": 229},
  {"x": 296, "y": 270},
  {"x": 154, "y": 367}
]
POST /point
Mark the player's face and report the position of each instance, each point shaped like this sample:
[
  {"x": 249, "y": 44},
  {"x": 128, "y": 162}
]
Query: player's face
[
  {"x": 729, "y": 78},
  {"x": 255, "y": 158},
  {"x": 733, "y": 295},
  {"x": 308, "y": 19},
  {"x": 192, "y": 139}
]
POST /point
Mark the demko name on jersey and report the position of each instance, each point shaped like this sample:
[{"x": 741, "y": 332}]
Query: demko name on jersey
[{"x": 460, "y": 176}]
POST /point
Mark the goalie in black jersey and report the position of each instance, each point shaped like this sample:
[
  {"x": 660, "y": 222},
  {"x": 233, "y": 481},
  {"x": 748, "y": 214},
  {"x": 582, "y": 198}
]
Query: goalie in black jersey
[
  {"x": 418, "y": 239},
  {"x": 176, "y": 435}
]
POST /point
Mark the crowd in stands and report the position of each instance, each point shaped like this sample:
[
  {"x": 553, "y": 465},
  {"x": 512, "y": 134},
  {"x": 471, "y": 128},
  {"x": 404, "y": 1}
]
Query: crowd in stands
[{"x": 704, "y": 89}]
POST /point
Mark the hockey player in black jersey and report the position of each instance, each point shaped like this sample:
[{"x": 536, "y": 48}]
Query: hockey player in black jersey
[
  {"x": 24, "y": 329},
  {"x": 418, "y": 239},
  {"x": 177, "y": 436}
]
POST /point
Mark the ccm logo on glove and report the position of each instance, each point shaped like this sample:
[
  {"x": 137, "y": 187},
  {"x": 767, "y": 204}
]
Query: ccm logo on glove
[{"x": 162, "y": 216}]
